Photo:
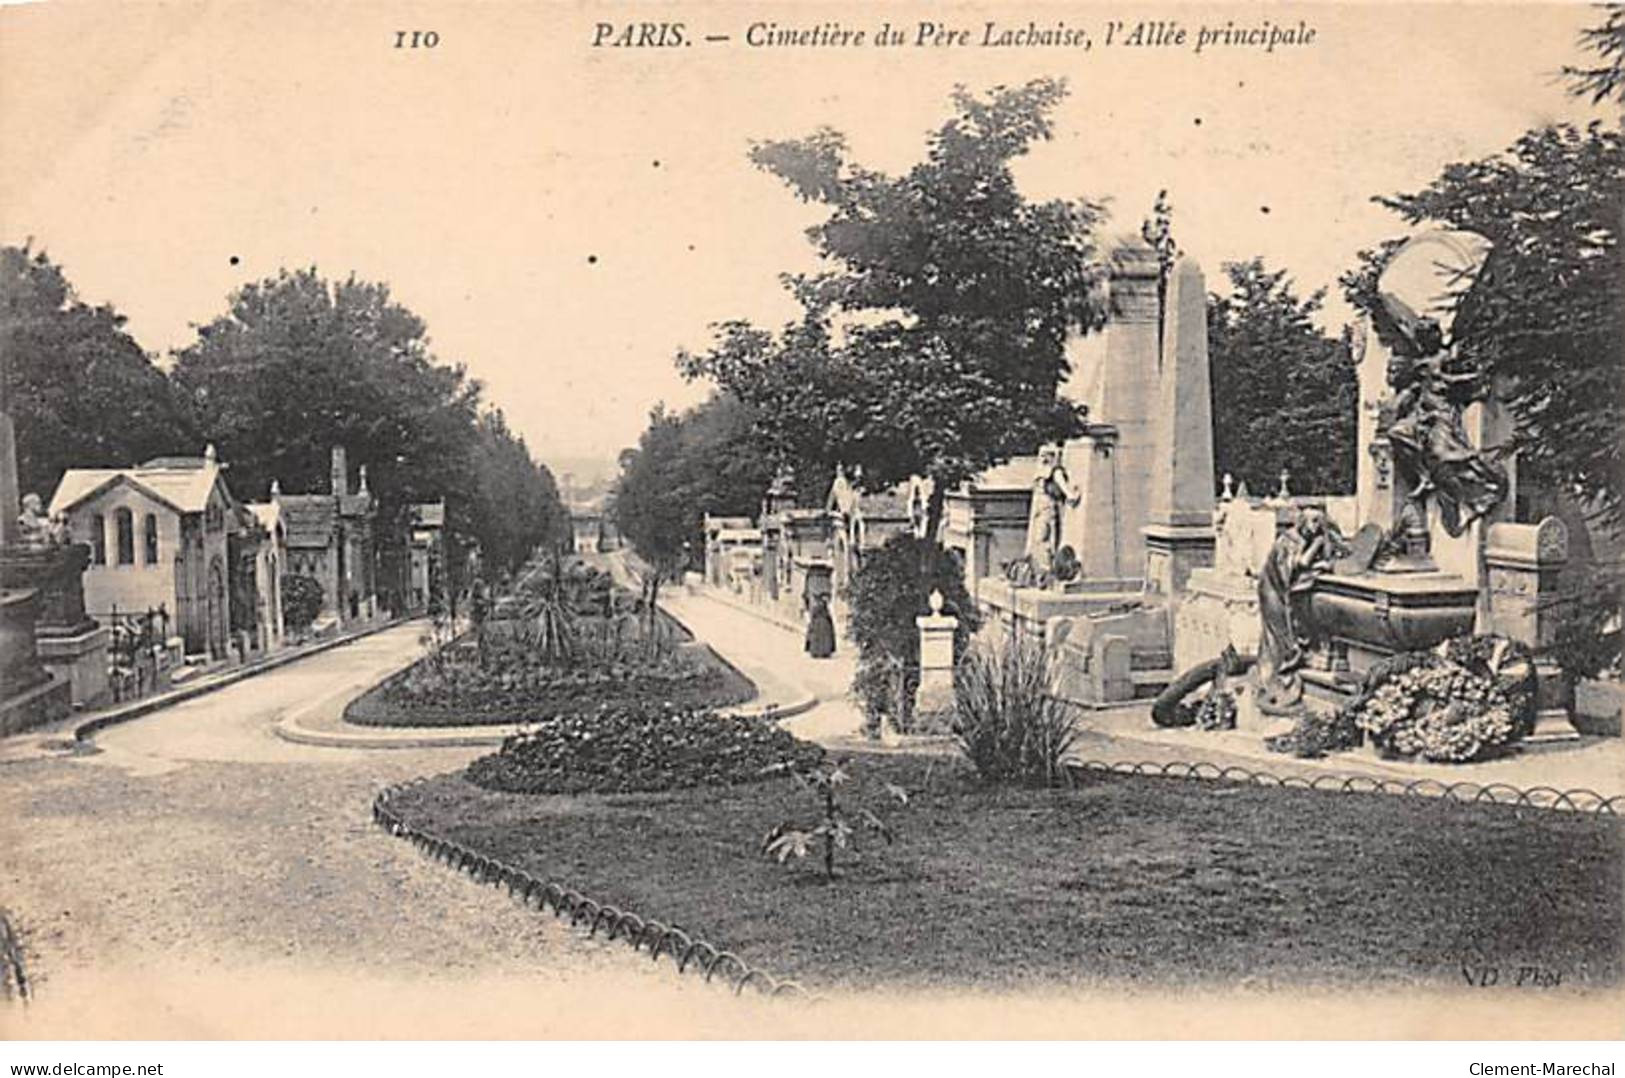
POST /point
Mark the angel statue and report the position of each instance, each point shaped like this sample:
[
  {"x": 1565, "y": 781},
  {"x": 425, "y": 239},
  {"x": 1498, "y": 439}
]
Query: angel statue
[{"x": 1418, "y": 292}]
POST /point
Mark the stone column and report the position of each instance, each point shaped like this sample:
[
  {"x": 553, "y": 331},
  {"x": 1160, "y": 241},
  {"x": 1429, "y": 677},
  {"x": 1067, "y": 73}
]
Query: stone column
[
  {"x": 770, "y": 559},
  {"x": 1179, "y": 520},
  {"x": 934, "y": 699},
  {"x": 1523, "y": 593},
  {"x": 1374, "y": 461}
]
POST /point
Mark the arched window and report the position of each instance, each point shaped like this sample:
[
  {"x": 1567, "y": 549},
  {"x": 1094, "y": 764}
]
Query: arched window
[
  {"x": 150, "y": 530},
  {"x": 126, "y": 536},
  {"x": 98, "y": 539}
]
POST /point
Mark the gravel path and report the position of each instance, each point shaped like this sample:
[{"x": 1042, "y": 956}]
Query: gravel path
[{"x": 198, "y": 877}]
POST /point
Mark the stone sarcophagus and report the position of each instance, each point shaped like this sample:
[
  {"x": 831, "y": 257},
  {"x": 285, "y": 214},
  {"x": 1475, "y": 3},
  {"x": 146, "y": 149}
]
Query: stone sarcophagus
[{"x": 1372, "y": 615}]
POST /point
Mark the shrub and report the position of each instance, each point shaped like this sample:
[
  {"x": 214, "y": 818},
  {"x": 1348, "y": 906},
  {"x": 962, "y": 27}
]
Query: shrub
[
  {"x": 886, "y": 594},
  {"x": 641, "y": 748},
  {"x": 301, "y": 601},
  {"x": 1007, "y": 721},
  {"x": 838, "y": 822}
]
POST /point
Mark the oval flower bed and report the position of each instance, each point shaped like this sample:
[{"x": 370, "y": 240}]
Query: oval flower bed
[
  {"x": 422, "y": 696},
  {"x": 630, "y": 749}
]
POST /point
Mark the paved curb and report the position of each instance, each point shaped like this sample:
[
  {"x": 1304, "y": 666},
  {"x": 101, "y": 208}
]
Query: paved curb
[
  {"x": 292, "y": 728},
  {"x": 84, "y": 731},
  {"x": 798, "y": 705}
]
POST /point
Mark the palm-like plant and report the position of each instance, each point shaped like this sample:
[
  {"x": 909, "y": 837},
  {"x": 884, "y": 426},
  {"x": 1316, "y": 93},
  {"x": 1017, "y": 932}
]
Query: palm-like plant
[{"x": 836, "y": 827}]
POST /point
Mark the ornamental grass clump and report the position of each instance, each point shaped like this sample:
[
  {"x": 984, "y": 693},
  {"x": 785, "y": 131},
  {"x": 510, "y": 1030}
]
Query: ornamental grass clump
[
  {"x": 1007, "y": 720},
  {"x": 640, "y": 748}
]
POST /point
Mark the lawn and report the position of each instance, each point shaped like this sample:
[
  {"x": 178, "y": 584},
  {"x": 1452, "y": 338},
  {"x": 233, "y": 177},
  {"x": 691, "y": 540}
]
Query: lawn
[{"x": 1122, "y": 881}]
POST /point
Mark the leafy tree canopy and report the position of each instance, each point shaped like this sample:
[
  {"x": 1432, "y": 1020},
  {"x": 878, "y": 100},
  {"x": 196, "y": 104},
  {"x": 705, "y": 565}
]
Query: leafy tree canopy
[
  {"x": 1284, "y": 393},
  {"x": 79, "y": 389},
  {"x": 298, "y": 365},
  {"x": 705, "y": 460},
  {"x": 933, "y": 343}
]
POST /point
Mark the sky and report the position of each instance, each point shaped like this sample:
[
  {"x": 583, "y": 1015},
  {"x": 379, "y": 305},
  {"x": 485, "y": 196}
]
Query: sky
[{"x": 566, "y": 217}]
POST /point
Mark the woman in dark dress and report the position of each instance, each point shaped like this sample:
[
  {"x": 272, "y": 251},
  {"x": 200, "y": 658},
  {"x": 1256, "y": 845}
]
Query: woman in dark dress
[{"x": 820, "y": 643}]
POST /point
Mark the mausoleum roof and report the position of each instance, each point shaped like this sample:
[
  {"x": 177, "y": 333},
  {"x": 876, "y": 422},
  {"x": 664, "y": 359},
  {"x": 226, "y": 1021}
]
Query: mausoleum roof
[
  {"x": 183, "y": 489},
  {"x": 309, "y": 518}
]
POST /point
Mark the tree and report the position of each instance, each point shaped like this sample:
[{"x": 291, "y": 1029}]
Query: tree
[
  {"x": 1284, "y": 393},
  {"x": 79, "y": 388},
  {"x": 1607, "y": 79},
  {"x": 515, "y": 501},
  {"x": 706, "y": 460},
  {"x": 933, "y": 346},
  {"x": 298, "y": 365},
  {"x": 1546, "y": 318}
]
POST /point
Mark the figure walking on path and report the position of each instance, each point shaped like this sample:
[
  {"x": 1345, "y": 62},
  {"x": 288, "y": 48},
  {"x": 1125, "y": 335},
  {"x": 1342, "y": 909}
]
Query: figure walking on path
[{"x": 820, "y": 642}]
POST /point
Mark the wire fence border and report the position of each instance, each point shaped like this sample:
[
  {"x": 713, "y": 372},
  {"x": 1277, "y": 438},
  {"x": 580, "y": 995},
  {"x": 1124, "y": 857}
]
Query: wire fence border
[
  {"x": 687, "y": 952},
  {"x": 1580, "y": 800}
]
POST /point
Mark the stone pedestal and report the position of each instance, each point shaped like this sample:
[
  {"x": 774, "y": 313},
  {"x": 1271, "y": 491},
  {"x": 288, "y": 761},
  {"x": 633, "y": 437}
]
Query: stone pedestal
[
  {"x": 1220, "y": 610},
  {"x": 1523, "y": 597},
  {"x": 20, "y": 668},
  {"x": 68, "y": 642},
  {"x": 934, "y": 699},
  {"x": 81, "y": 661},
  {"x": 1172, "y": 553}
]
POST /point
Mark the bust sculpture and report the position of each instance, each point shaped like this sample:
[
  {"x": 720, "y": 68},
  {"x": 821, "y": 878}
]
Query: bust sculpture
[{"x": 35, "y": 531}]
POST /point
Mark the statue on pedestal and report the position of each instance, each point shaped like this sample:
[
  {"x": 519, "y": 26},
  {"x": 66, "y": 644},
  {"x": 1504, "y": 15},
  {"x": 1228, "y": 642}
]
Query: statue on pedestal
[
  {"x": 43, "y": 556},
  {"x": 1045, "y": 560},
  {"x": 1432, "y": 386},
  {"x": 35, "y": 531}
]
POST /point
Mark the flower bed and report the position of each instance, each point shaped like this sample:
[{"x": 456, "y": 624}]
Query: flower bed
[
  {"x": 498, "y": 676},
  {"x": 628, "y": 749},
  {"x": 421, "y": 696}
]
